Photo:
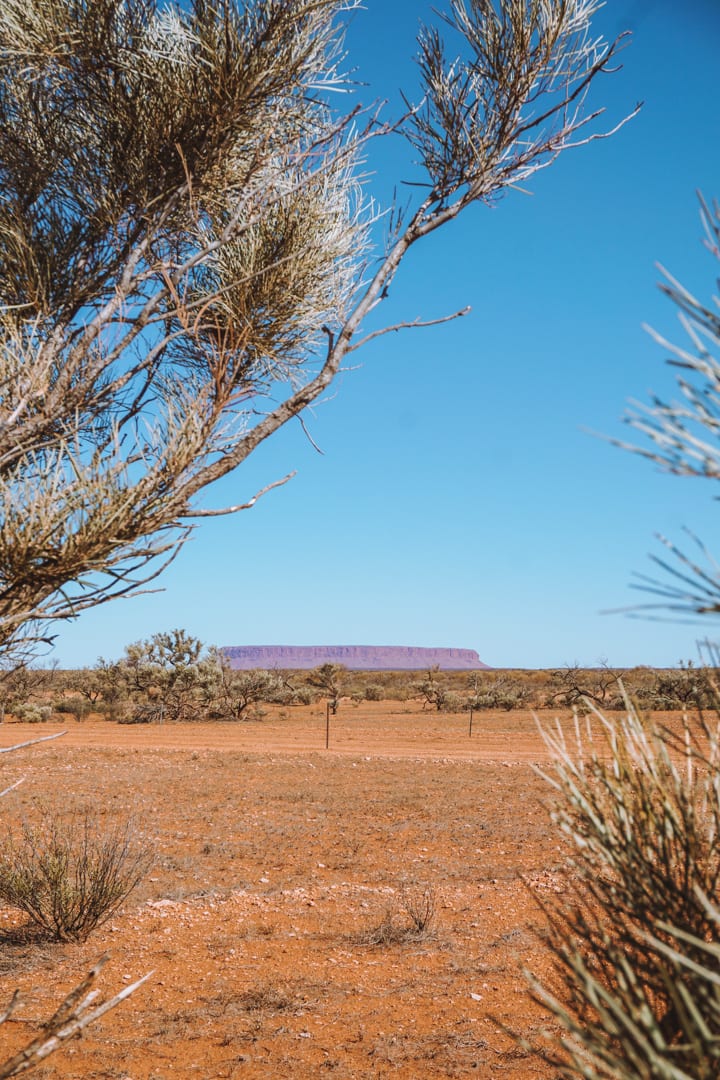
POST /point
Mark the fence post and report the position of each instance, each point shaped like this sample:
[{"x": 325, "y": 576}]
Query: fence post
[{"x": 471, "y": 718}]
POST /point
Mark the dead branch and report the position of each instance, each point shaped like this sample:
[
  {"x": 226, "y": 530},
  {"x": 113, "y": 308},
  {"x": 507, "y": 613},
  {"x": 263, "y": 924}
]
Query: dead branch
[
  {"x": 30, "y": 742},
  {"x": 72, "y": 1017}
]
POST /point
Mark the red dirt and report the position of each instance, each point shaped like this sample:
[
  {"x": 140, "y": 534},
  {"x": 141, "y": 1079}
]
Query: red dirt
[{"x": 275, "y": 862}]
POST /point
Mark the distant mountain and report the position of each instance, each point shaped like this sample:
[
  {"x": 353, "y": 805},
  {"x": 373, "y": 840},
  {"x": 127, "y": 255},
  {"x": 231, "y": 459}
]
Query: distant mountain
[{"x": 355, "y": 657}]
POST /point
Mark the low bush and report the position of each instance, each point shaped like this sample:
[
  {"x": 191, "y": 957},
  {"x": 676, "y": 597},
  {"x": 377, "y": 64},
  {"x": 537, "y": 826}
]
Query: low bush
[
  {"x": 288, "y": 694},
  {"x": 69, "y": 875},
  {"x": 32, "y": 714},
  {"x": 687, "y": 687},
  {"x": 77, "y": 707},
  {"x": 499, "y": 692},
  {"x": 142, "y": 714},
  {"x": 410, "y": 917},
  {"x": 374, "y": 692},
  {"x": 453, "y": 703}
]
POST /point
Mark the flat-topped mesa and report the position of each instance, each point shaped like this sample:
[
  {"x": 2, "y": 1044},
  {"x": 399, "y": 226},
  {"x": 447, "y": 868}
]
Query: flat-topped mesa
[{"x": 355, "y": 657}]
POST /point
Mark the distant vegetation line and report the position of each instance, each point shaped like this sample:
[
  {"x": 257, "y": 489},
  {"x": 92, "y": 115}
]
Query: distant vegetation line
[{"x": 175, "y": 677}]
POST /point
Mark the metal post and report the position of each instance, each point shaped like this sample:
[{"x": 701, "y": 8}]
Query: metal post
[
  {"x": 471, "y": 716},
  {"x": 327, "y": 725}
]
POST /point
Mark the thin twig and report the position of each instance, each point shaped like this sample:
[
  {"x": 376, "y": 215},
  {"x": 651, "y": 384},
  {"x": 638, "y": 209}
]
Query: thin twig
[
  {"x": 247, "y": 505},
  {"x": 416, "y": 324}
]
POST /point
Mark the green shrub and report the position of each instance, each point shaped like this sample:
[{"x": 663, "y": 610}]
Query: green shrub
[
  {"x": 453, "y": 702},
  {"x": 32, "y": 714},
  {"x": 499, "y": 692},
  {"x": 374, "y": 692},
  {"x": 686, "y": 687},
  {"x": 294, "y": 695},
  {"x": 72, "y": 706}
]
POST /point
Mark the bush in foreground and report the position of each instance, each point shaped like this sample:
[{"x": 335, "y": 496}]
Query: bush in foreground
[
  {"x": 70, "y": 875},
  {"x": 635, "y": 940}
]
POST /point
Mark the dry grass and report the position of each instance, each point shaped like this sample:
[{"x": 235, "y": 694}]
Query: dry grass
[{"x": 410, "y": 917}]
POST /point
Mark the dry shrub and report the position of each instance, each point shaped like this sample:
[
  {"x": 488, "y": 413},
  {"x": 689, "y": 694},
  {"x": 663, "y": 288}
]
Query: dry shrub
[
  {"x": 266, "y": 998},
  {"x": 69, "y": 875},
  {"x": 410, "y": 917}
]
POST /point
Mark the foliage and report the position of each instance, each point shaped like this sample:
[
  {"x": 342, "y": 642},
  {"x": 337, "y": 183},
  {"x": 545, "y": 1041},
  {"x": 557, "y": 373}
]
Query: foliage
[
  {"x": 636, "y": 989},
  {"x": 74, "y": 1013},
  {"x": 686, "y": 687},
  {"x": 183, "y": 246},
  {"x": 329, "y": 679},
  {"x": 170, "y": 673},
  {"x": 31, "y": 713},
  {"x": 22, "y": 684},
  {"x": 636, "y": 951},
  {"x": 173, "y": 676},
  {"x": 131, "y": 692},
  {"x": 373, "y": 692},
  {"x": 70, "y": 875},
  {"x": 502, "y": 691},
  {"x": 76, "y": 706},
  {"x": 290, "y": 694},
  {"x": 234, "y": 694},
  {"x": 436, "y": 689},
  {"x": 576, "y": 686},
  {"x": 92, "y": 684},
  {"x": 434, "y": 692}
]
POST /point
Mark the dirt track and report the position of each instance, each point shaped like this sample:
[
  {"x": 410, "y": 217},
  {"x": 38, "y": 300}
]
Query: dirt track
[{"x": 380, "y": 729}]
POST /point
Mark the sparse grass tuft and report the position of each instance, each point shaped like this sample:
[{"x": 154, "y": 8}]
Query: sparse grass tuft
[
  {"x": 265, "y": 998},
  {"x": 410, "y": 917}
]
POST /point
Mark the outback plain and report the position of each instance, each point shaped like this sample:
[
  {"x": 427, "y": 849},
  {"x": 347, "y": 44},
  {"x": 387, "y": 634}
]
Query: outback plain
[{"x": 365, "y": 910}]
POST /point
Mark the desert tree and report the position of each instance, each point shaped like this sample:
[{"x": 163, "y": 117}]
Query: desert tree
[
  {"x": 573, "y": 685},
  {"x": 329, "y": 679},
  {"x": 433, "y": 691},
  {"x": 170, "y": 674},
  {"x": 184, "y": 246}
]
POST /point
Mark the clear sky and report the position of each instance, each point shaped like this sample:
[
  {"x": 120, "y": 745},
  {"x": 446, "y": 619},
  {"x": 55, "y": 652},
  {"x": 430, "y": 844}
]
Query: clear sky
[{"x": 460, "y": 499}]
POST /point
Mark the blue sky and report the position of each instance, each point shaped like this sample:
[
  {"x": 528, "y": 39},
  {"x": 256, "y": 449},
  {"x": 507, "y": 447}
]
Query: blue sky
[{"x": 460, "y": 499}]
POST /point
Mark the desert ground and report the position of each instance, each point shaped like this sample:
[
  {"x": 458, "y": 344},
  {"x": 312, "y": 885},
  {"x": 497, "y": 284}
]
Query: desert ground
[{"x": 277, "y": 917}]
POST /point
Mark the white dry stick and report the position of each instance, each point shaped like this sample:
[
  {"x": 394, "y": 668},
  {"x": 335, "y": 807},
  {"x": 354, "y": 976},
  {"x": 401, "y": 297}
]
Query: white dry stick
[{"x": 70, "y": 1019}]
